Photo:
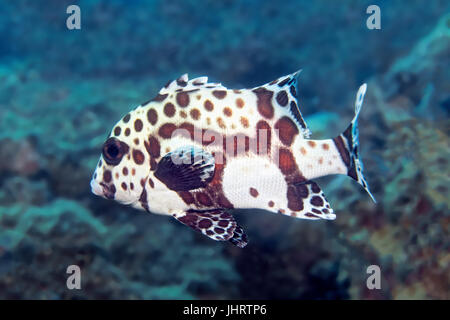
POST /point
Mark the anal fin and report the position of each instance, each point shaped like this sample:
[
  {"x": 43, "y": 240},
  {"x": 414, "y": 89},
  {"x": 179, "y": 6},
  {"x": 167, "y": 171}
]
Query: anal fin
[{"x": 307, "y": 201}]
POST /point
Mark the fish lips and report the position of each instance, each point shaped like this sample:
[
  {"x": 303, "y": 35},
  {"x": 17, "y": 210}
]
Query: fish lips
[
  {"x": 96, "y": 188},
  {"x": 101, "y": 189}
]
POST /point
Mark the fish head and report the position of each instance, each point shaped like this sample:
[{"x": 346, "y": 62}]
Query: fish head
[{"x": 124, "y": 165}]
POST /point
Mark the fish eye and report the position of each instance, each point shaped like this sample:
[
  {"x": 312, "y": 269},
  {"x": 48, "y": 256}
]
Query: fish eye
[{"x": 113, "y": 151}]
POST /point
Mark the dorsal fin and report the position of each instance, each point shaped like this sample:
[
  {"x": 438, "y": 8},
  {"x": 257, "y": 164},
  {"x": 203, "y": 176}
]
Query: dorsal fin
[
  {"x": 183, "y": 83},
  {"x": 285, "y": 94}
]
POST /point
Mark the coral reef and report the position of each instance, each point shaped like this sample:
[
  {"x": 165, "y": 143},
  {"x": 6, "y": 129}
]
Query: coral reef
[
  {"x": 117, "y": 259},
  {"x": 63, "y": 90}
]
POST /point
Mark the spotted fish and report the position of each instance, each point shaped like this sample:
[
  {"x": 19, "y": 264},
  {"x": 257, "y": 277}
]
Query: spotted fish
[{"x": 198, "y": 149}]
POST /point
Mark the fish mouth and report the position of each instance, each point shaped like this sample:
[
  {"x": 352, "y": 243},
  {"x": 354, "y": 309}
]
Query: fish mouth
[
  {"x": 107, "y": 192},
  {"x": 96, "y": 188},
  {"x": 101, "y": 189}
]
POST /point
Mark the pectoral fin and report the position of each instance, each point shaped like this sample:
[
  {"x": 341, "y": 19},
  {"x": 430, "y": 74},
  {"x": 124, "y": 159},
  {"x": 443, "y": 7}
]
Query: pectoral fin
[{"x": 186, "y": 168}]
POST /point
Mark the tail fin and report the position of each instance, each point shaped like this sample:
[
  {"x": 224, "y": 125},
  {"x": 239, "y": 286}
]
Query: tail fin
[{"x": 350, "y": 138}]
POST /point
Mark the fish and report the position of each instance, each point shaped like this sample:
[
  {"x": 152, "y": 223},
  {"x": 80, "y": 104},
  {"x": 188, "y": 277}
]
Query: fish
[{"x": 198, "y": 150}]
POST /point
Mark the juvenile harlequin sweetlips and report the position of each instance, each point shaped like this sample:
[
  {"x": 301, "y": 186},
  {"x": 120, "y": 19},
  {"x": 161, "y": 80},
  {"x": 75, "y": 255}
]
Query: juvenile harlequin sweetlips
[{"x": 199, "y": 149}]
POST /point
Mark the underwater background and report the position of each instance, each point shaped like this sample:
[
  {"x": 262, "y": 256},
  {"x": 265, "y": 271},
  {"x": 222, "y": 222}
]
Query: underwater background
[{"x": 61, "y": 92}]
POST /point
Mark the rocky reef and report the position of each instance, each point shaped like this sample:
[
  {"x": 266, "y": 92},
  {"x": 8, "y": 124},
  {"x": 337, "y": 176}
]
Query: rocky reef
[{"x": 63, "y": 90}]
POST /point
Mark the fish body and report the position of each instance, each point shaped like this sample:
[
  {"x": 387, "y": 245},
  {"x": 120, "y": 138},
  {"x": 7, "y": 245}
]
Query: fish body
[{"x": 198, "y": 149}]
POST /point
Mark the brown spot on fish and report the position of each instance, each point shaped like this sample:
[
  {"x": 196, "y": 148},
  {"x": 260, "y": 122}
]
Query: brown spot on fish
[
  {"x": 126, "y": 118},
  {"x": 107, "y": 176},
  {"x": 287, "y": 130},
  {"x": 112, "y": 191},
  {"x": 127, "y": 132},
  {"x": 325, "y": 146},
  {"x": 124, "y": 186},
  {"x": 221, "y": 123},
  {"x": 181, "y": 83},
  {"x": 125, "y": 171},
  {"x": 138, "y": 156},
  {"x": 254, "y": 193},
  {"x": 138, "y": 125},
  {"x": 151, "y": 183},
  {"x": 227, "y": 111},
  {"x": 152, "y": 146},
  {"x": 169, "y": 109},
  {"x": 160, "y": 97},
  {"x": 244, "y": 122},
  {"x": 182, "y": 99},
  {"x": 152, "y": 116},
  {"x": 143, "y": 200},
  {"x": 203, "y": 199},
  {"x": 317, "y": 201},
  {"x": 286, "y": 161},
  {"x": 345, "y": 156},
  {"x": 195, "y": 114},
  {"x": 223, "y": 223},
  {"x": 264, "y": 102},
  {"x": 297, "y": 114},
  {"x": 293, "y": 91},
  {"x": 295, "y": 202},
  {"x": 282, "y": 83},
  {"x": 204, "y": 223},
  {"x": 312, "y": 144},
  {"x": 240, "y": 103},
  {"x": 311, "y": 215},
  {"x": 315, "y": 188},
  {"x": 189, "y": 127},
  {"x": 352, "y": 173},
  {"x": 166, "y": 130},
  {"x": 302, "y": 191},
  {"x": 208, "y": 105},
  {"x": 303, "y": 151},
  {"x": 183, "y": 114},
  {"x": 187, "y": 197},
  {"x": 117, "y": 131},
  {"x": 271, "y": 203},
  {"x": 282, "y": 98},
  {"x": 219, "y": 94}
]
